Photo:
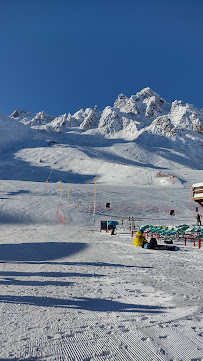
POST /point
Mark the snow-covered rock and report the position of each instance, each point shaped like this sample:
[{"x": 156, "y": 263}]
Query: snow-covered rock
[
  {"x": 186, "y": 116},
  {"x": 145, "y": 111},
  {"x": 126, "y": 105},
  {"x": 84, "y": 119},
  {"x": 17, "y": 113},
  {"x": 41, "y": 118},
  {"x": 90, "y": 118},
  {"x": 58, "y": 123},
  {"x": 162, "y": 126},
  {"x": 149, "y": 103},
  {"x": 110, "y": 121}
]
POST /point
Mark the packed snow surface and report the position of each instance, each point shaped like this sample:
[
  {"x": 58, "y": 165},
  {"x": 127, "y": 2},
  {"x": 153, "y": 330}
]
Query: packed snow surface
[{"x": 71, "y": 292}]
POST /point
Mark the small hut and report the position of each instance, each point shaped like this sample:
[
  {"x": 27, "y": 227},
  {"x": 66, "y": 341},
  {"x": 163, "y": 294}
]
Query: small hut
[{"x": 197, "y": 192}]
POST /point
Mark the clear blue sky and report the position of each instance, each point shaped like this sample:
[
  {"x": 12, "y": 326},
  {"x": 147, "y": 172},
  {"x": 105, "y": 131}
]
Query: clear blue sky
[{"x": 63, "y": 55}]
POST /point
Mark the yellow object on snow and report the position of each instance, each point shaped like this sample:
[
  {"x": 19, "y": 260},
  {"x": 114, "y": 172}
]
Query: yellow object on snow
[{"x": 139, "y": 239}]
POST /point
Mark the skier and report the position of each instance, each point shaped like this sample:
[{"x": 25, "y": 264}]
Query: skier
[{"x": 112, "y": 225}]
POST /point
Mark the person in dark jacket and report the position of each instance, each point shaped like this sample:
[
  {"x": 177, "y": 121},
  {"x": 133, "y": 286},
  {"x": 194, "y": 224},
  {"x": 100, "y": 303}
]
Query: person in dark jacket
[
  {"x": 198, "y": 220},
  {"x": 153, "y": 245}
]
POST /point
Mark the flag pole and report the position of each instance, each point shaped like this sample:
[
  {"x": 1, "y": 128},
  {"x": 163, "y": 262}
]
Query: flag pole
[
  {"x": 68, "y": 191},
  {"x": 95, "y": 188}
]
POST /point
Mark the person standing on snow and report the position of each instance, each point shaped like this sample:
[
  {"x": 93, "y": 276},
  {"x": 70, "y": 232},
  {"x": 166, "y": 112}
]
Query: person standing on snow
[
  {"x": 139, "y": 240},
  {"x": 198, "y": 220}
]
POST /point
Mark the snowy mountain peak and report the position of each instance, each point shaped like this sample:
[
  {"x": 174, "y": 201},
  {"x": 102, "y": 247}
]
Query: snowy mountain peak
[
  {"x": 129, "y": 117},
  {"x": 126, "y": 105},
  {"x": 147, "y": 93},
  {"x": 17, "y": 113},
  {"x": 145, "y": 103},
  {"x": 144, "y": 128},
  {"x": 42, "y": 117},
  {"x": 186, "y": 116}
]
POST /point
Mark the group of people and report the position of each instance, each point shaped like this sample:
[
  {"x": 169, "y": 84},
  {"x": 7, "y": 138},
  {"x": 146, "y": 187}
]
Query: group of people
[{"x": 140, "y": 241}]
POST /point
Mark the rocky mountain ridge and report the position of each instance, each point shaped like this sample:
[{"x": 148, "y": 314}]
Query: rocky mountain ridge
[{"x": 145, "y": 111}]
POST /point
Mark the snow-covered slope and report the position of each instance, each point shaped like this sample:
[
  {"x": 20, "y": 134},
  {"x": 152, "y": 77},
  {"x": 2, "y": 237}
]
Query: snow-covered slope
[
  {"x": 128, "y": 142},
  {"x": 71, "y": 292}
]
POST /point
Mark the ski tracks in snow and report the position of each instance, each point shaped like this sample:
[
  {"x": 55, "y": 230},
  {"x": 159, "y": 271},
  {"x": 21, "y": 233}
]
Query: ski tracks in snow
[{"x": 96, "y": 304}]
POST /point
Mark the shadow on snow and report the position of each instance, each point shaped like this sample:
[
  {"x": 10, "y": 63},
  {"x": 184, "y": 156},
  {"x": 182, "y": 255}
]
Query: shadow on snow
[
  {"x": 95, "y": 264},
  {"x": 39, "y": 252},
  {"x": 21, "y": 359},
  {"x": 82, "y": 303},
  {"x": 16, "y": 169},
  {"x": 10, "y": 280}
]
